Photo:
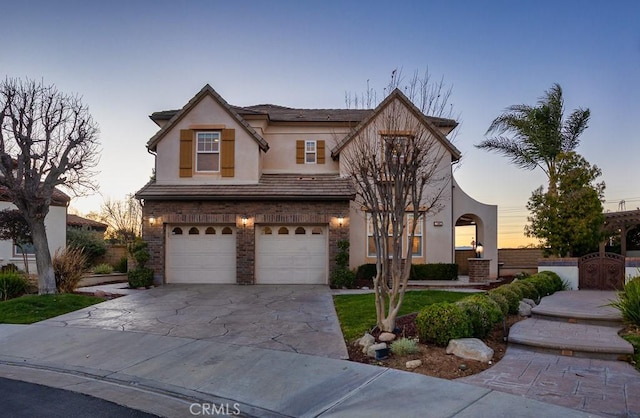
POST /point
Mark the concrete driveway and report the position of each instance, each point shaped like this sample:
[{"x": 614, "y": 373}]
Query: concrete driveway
[{"x": 296, "y": 318}]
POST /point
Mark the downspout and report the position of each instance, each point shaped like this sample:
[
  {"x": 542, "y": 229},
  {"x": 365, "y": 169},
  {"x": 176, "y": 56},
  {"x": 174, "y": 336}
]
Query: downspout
[{"x": 453, "y": 225}]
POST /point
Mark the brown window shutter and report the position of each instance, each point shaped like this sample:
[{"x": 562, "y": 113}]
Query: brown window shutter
[
  {"x": 299, "y": 152},
  {"x": 320, "y": 151},
  {"x": 186, "y": 153},
  {"x": 228, "y": 153}
]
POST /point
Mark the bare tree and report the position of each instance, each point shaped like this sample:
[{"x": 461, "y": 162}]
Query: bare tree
[
  {"x": 47, "y": 139},
  {"x": 124, "y": 218},
  {"x": 398, "y": 166}
]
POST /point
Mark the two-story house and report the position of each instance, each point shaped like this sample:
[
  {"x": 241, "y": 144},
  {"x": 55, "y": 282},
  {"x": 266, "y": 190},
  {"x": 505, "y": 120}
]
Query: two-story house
[{"x": 258, "y": 195}]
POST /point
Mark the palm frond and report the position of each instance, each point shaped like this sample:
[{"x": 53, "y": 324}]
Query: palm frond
[
  {"x": 515, "y": 151},
  {"x": 577, "y": 122}
]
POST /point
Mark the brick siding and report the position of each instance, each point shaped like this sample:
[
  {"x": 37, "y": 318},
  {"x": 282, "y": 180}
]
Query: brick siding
[{"x": 231, "y": 212}]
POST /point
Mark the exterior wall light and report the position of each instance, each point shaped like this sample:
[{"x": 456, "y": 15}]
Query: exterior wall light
[
  {"x": 479, "y": 250},
  {"x": 340, "y": 221},
  {"x": 152, "y": 221},
  {"x": 245, "y": 218}
]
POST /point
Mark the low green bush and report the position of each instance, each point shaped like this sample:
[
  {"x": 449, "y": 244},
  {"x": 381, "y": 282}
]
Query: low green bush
[
  {"x": 121, "y": 265},
  {"x": 103, "y": 268},
  {"x": 9, "y": 268},
  {"x": 366, "y": 272},
  {"x": 483, "y": 312},
  {"x": 527, "y": 289},
  {"x": 342, "y": 278},
  {"x": 434, "y": 271},
  {"x": 544, "y": 284},
  {"x": 91, "y": 245},
  {"x": 628, "y": 301},
  {"x": 557, "y": 282},
  {"x": 501, "y": 301},
  {"x": 404, "y": 346},
  {"x": 440, "y": 322},
  {"x": 513, "y": 298},
  {"x": 140, "y": 277},
  {"x": 12, "y": 285}
]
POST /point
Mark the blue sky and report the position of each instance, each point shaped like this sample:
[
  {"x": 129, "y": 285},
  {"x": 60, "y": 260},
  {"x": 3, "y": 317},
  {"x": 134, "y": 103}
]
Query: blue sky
[{"x": 130, "y": 58}]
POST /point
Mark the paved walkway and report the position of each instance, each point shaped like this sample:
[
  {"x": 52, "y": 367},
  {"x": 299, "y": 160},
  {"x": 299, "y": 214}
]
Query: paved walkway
[
  {"x": 587, "y": 383},
  {"x": 173, "y": 376}
]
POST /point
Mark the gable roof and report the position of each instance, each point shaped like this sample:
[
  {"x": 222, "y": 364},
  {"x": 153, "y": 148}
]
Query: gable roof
[
  {"x": 206, "y": 91},
  {"x": 429, "y": 122}
]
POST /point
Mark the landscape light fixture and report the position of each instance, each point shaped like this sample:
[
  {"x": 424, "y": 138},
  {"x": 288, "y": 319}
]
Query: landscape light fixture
[{"x": 479, "y": 250}]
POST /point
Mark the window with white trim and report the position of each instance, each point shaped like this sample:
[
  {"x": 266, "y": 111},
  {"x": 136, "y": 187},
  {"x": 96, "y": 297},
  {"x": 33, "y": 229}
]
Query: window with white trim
[
  {"x": 371, "y": 242},
  {"x": 208, "y": 151},
  {"x": 310, "y": 152},
  {"x": 416, "y": 245},
  {"x": 28, "y": 248}
]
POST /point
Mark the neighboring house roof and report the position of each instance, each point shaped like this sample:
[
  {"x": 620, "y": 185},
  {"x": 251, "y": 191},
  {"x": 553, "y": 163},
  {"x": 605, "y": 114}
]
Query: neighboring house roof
[
  {"x": 428, "y": 122},
  {"x": 58, "y": 198},
  {"x": 207, "y": 90},
  {"x": 75, "y": 220},
  {"x": 270, "y": 187}
]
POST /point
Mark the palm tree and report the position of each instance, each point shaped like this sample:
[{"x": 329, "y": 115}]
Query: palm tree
[{"x": 536, "y": 136}]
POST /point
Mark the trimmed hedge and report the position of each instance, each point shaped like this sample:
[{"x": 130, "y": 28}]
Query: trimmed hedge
[
  {"x": 501, "y": 300},
  {"x": 434, "y": 271},
  {"x": 483, "y": 314},
  {"x": 513, "y": 298},
  {"x": 440, "y": 322},
  {"x": 527, "y": 289}
]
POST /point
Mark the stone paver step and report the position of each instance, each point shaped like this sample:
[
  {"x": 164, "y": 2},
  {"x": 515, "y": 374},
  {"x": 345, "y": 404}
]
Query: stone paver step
[
  {"x": 583, "y": 307},
  {"x": 574, "y": 339}
]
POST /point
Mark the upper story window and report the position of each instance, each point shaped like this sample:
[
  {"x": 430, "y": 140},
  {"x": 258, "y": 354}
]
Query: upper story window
[
  {"x": 394, "y": 147},
  {"x": 208, "y": 151},
  {"x": 310, "y": 152}
]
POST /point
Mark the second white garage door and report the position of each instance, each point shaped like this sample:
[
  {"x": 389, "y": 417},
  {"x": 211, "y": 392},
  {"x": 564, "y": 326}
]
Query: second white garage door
[
  {"x": 291, "y": 254},
  {"x": 201, "y": 254}
]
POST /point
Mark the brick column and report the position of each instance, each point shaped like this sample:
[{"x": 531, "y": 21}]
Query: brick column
[
  {"x": 479, "y": 269},
  {"x": 246, "y": 253}
]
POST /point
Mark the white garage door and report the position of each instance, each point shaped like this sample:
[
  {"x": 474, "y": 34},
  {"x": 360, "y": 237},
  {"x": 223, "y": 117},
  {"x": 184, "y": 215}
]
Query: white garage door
[
  {"x": 201, "y": 254},
  {"x": 291, "y": 254}
]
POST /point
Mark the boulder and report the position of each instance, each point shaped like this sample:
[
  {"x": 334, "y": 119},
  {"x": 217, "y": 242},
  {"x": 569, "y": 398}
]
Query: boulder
[
  {"x": 524, "y": 309},
  {"x": 529, "y": 302},
  {"x": 386, "y": 337},
  {"x": 413, "y": 364},
  {"x": 371, "y": 350},
  {"x": 470, "y": 349},
  {"x": 366, "y": 340}
]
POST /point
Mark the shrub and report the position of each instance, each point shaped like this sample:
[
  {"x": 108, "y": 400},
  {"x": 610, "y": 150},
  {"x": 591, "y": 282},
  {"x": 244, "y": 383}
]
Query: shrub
[
  {"x": 121, "y": 265},
  {"x": 342, "y": 276},
  {"x": 69, "y": 265},
  {"x": 91, "y": 245},
  {"x": 440, "y": 322},
  {"x": 501, "y": 300},
  {"x": 404, "y": 346},
  {"x": 12, "y": 285},
  {"x": 557, "y": 282},
  {"x": 513, "y": 298},
  {"x": 434, "y": 271},
  {"x": 140, "y": 277},
  {"x": 483, "y": 314},
  {"x": 103, "y": 268},
  {"x": 628, "y": 301},
  {"x": 366, "y": 272},
  {"x": 9, "y": 268},
  {"x": 527, "y": 289},
  {"x": 544, "y": 284}
]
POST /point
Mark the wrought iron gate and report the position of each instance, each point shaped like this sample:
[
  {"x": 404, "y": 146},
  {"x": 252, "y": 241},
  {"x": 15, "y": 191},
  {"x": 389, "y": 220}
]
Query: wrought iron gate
[{"x": 601, "y": 271}]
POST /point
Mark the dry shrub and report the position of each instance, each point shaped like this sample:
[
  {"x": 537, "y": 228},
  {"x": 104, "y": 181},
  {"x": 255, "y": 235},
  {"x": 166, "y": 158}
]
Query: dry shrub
[{"x": 69, "y": 266}]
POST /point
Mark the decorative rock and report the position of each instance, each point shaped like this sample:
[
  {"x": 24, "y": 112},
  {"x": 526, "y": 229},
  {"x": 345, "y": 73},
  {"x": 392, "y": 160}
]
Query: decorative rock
[
  {"x": 100, "y": 294},
  {"x": 413, "y": 364},
  {"x": 366, "y": 340},
  {"x": 529, "y": 302},
  {"x": 386, "y": 337},
  {"x": 470, "y": 349},
  {"x": 524, "y": 309},
  {"x": 371, "y": 350}
]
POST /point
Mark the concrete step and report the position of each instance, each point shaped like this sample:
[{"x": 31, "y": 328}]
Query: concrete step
[
  {"x": 580, "y": 307},
  {"x": 570, "y": 339}
]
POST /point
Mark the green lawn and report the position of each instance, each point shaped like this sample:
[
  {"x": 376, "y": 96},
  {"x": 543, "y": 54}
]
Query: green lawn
[
  {"x": 33, "y": 308},
  {"x": 357, "y": 313}
]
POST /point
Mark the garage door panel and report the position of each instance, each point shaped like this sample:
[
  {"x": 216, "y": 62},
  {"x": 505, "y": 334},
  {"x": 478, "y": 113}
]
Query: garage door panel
[
  {"x": 291, "y": 258},
  {"x": 200, "y": 258}
]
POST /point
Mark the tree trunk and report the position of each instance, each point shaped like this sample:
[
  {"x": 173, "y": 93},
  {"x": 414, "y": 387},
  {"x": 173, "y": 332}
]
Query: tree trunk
[{"x": 46, "y": 276}]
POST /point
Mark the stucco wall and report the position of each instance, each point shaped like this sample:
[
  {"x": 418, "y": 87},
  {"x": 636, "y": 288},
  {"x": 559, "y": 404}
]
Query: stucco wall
[
  {"x": 56, "y": 225},
  {"x": 207, "y": 112}
]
